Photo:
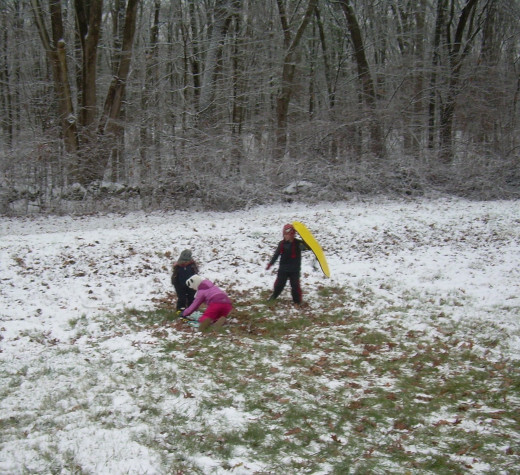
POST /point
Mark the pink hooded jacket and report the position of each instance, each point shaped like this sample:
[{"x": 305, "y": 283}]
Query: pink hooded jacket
[{"x": 207, "y": 293}]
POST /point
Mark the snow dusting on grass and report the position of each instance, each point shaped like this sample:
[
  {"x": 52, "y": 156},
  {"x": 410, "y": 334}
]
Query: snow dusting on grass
[{"x": 406, "y": 360}]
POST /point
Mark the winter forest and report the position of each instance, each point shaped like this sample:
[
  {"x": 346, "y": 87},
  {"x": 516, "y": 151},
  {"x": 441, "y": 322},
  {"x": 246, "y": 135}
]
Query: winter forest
[{"x": 225, "y": 104}]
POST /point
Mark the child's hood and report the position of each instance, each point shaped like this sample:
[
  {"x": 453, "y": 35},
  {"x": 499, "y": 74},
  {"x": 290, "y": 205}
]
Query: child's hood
[{"x": 205, "y": 285}]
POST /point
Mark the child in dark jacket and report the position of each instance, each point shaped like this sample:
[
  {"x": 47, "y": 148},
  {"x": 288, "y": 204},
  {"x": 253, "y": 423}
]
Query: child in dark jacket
[
  {"x": 290, "y": 252},
  {"x": 183, "y": 269},
  {"x": 218, "y": 303}
]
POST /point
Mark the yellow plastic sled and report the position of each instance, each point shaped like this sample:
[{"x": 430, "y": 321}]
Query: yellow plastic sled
[{"x": 309, "y": 239}]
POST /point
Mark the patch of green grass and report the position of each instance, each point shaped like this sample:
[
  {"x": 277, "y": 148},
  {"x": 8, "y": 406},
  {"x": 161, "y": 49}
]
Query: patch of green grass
[
  {"x": 138, "y": 319},
  {"x": 254, "y": 435},
  {"x": 75, "y": 322},
  {"x": 10, "y": 422},
  {"x": 170, "y": 346}
]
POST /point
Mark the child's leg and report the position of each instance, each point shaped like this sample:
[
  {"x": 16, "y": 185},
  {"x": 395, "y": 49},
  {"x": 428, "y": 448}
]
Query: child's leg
[
  {"x": 296, "y": 290},
  {"x": 181, "y": 301},
  {"x": 180, "y": 297},
  {"x": 203, "y": 326},
  {"x": 213, "y": 312},
  {"x": 219, "y": 324},
  {"x": 279, "y": 284}
]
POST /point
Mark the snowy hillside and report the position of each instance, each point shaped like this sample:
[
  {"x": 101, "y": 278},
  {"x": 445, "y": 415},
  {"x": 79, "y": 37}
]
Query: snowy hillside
[{"x": 66, "y": 356}]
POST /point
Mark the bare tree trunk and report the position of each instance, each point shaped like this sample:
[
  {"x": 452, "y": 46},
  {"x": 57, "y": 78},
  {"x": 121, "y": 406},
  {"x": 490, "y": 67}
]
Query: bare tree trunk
[
  {"x": 326, "y": 65},
  {"x": 456, "y": 54},
  {"x": 418, "y": 80},
  {"x": 411, "y": 21},
  {"x": 109, "y": 125},
  {"x": 289, "y": 67},
  {"x": 487, "y": 76},
  {"x": 88, "y": 17},
  {"x": 88, "y": 20},
  {"x": 439, "y": 21},
  {"x": 6, "y": 105},
  {"x": 55, "y": 50},
  {"x": 219, "y": 29},
  {"x": 195, "y": 60},
  {"x": 239, "y": 86},
  {"x": 365, "y": 78},
  {"x": 150, "y": 158},
  {"x": 118, "y": 165}
]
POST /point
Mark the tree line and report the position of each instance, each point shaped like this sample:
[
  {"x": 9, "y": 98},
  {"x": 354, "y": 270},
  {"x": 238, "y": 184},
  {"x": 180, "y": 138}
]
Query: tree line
[{"x": 226, "y": 103}]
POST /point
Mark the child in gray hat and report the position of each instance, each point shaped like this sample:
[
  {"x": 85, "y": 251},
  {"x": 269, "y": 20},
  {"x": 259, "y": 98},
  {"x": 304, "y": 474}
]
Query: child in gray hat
[{"x": 183, "y": 269}]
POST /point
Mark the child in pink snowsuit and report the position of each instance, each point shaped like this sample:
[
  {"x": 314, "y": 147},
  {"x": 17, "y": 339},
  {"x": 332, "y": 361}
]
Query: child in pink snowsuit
[{"x": 218, "y": 303}]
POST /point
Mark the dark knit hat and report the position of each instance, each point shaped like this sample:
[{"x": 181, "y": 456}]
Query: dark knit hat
[{"x": 185, "y": 256}]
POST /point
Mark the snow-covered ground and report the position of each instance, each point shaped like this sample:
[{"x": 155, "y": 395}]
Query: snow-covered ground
[{"x": 56, "y": 270}]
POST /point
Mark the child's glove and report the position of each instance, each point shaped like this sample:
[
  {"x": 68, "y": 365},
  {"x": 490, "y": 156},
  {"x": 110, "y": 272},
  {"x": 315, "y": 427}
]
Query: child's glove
[{"x": 268, "y": 267}]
